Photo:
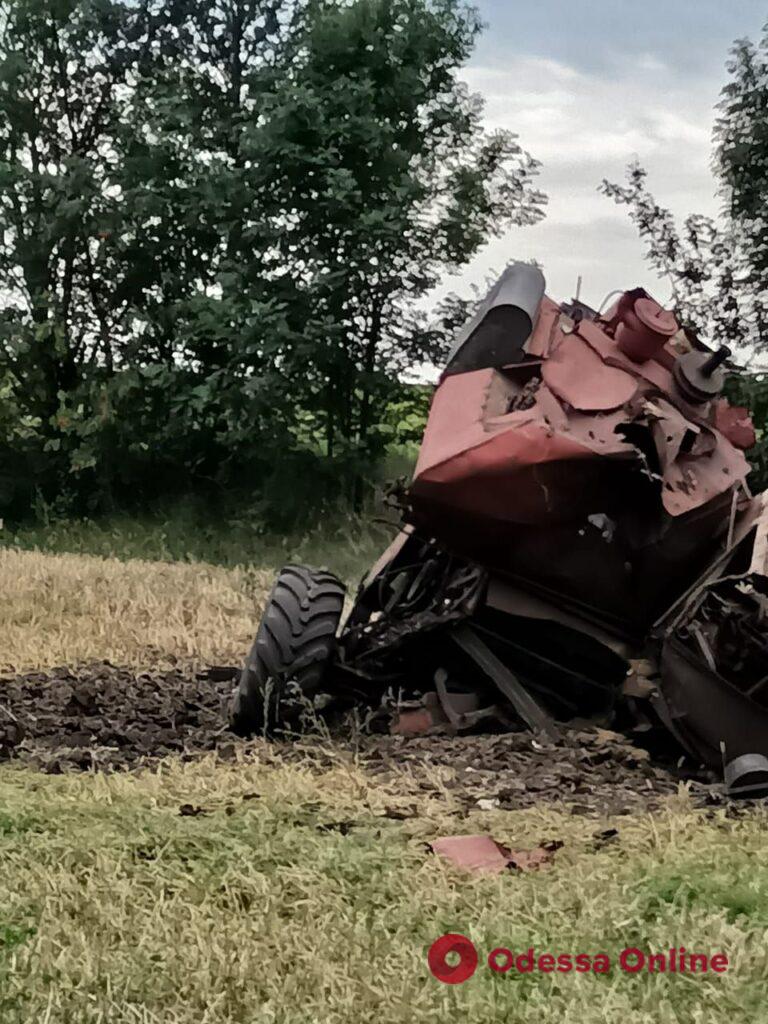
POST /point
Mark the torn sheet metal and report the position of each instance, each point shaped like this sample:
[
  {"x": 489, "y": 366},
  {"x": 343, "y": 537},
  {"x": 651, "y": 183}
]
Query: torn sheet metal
[
  {"x": 518, "y": 458},
  {"x": 735, "y": 423},
  {"x": 480, "y": 854},
  {"x": 713, "y": 719},
  {"x": 603, "y": 493},
  {"x": 577, "y": 375},
  {"x": 579, "y": 542},
  {"x": 588, "y": 473},
  {"x": 473, "y": 853},
  {"x": 713, "y": 687}
]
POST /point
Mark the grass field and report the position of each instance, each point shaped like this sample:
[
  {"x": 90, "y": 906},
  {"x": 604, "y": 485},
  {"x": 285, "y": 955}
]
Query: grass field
[
  {"x": 291, "y": 893},
  {"x": 344, "y": 542}
]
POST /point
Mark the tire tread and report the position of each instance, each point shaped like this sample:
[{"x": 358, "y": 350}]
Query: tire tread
[{"x": 295, "y": 643}]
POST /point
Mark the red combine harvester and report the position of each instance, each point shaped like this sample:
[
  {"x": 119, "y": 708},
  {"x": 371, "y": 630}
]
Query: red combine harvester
[{"x": 578, "y": 541}]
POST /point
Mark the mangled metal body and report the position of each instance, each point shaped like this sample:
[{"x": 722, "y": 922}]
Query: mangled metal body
[
  {"x": 579, "y": 507},
  {"x": 579, "y": 540}
]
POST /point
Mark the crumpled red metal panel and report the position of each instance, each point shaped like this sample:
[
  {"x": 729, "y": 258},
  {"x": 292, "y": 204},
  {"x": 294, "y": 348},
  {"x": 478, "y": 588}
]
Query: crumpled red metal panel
[
  {"x": 578, "y": 376},
  {"x": 696, "y": 463},
  {"x": 545, "y": 329},
  {"x": 590, "y": 392},
  {"x": 489, "y": 464},
  {"x": 651, "y": 371}
]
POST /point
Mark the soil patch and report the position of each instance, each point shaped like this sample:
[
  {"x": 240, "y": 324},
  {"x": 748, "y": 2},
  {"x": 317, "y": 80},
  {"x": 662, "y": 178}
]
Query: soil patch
[
  {"x": 109, "y": 718},
  {"x": 594, "y": 771},
  {"x": 104, "y": 717}
]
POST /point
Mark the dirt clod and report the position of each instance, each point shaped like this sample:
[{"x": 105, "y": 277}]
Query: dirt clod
[
  {"x": 105, "y": 717},
  {"x": 513, "y": 771},
  {"x": 102, "y": 717}
]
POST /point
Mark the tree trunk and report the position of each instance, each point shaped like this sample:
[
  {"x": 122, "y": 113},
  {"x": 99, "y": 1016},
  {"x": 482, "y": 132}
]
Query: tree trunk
[{"x": 366, "y": 400}]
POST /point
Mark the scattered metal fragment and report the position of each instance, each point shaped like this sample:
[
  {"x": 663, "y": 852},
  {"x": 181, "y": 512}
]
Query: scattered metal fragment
[
  {"x": 532, "y": 860},
  {"x": 399, "y": 813},
  {"x": 747, "y": 776},
  {"x": 418, "y": 721},
  {"x": 220, "y": 673},
  {"x": 474, "y": 853},
  {"x": 480, "y": 853},
  {"x": 342, "y": 827}
]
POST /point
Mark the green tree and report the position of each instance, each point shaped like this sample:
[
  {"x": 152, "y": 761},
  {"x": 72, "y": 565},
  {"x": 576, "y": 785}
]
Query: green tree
[
  {"x": 119, "y": 174},
  {"x": 218, "y": 223},
  {"x": 718, "y": 268},
  {"x": 379, "y": 178},
  {"x": 741, "y": 144},
  {"x": 701, "y": 262},
  {"x": 60, "y": 69}
]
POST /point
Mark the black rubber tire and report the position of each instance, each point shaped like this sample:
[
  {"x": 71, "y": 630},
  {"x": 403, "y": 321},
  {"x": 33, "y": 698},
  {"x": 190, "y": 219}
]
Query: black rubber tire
[{"x": 292, "y": 651}]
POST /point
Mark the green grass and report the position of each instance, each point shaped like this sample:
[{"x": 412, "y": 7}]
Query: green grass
[
  {"x": 344, "y": 543},
  {"x": 293, "y": 898},
  {"x": 114, "y": 908}
]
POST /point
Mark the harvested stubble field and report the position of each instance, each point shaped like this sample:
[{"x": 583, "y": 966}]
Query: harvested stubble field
[{"x": 155, "y": 869}]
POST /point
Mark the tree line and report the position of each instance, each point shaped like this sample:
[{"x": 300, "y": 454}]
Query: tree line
[
  {"x": 219, "y": 221},
  {"x": 217, "y": 224}
]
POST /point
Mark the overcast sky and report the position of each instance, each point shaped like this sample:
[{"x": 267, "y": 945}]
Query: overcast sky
[{"x": 588, "y": 87}]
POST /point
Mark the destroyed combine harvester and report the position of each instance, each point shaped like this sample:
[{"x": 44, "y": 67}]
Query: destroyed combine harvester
[{"x": 578, "y": 541}]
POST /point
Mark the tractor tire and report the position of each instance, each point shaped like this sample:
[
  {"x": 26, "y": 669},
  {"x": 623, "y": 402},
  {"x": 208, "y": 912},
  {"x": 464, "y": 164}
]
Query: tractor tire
[{"x": 292, "y": 651}]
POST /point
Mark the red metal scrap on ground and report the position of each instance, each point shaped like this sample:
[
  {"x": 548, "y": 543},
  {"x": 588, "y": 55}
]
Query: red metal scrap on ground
[{"x": 481, "y": 853}]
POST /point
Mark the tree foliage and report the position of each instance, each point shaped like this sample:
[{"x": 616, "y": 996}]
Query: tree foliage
[
  {"x": 718, "y": 268},
  {"x": 392, "y": 182},
  {"x": 704, "y": 263},
  {"x": 741, "y": 154},
  {"x": 217, "y": 221}
]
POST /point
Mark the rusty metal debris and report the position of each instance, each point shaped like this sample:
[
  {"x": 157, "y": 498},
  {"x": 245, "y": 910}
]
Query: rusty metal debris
[
  {"x": 473, "y": 853},
  {"x": 579, "y": 545},
  {"x": 526, "y": 706},
  {"x": 480, "y": 853}
]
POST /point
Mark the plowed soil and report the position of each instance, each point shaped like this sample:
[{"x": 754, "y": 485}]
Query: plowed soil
[{"x": 103, "y": 717}]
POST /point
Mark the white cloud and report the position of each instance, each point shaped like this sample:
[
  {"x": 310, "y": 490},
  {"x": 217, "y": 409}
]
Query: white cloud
[
  {"x": 586, "y": 126},
  {"x": 648, "y": 62}
]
